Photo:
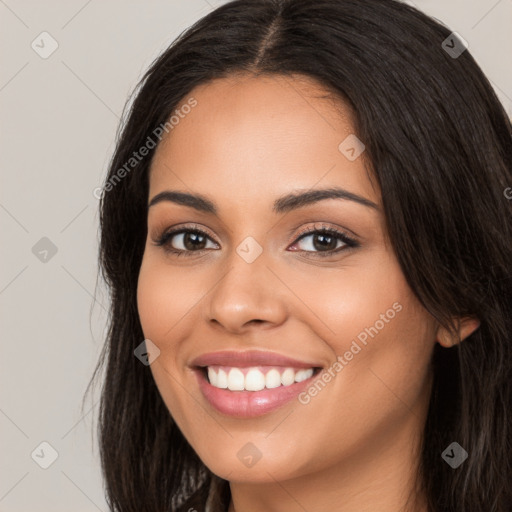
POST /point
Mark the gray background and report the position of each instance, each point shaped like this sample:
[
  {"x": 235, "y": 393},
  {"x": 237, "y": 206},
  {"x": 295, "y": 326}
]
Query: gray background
[{"x": 60, "y": 116}]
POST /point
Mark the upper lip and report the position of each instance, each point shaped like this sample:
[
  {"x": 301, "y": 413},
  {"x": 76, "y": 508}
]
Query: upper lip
[{"x": 247, "y": 358}]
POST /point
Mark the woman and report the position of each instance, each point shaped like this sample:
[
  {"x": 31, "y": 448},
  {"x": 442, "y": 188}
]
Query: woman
[{"x": 342, "y": 337}]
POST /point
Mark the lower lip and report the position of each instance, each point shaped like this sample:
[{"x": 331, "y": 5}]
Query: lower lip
[{"x": 249, "y": 404}]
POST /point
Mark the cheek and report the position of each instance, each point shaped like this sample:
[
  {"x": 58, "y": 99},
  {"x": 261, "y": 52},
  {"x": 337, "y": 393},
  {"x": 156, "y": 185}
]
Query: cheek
[
  {"x": 152, "y": 303},
  {"x": 382, "y": 340},
  {"x": 163, "y": 298},
  {"x": 370, "y": 293},
  {"x": 382, "y": 343}
]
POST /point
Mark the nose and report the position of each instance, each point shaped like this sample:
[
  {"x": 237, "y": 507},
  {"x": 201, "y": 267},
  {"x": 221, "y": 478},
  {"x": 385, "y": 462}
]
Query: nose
[{"x": 247, "y": 295}]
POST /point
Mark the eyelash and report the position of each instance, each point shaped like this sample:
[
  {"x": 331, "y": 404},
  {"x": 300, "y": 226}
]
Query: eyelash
[{"x": 164, "y": 240}]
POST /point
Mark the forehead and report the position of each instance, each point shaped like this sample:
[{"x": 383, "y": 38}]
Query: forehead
[{"x": 249, "y": 137}]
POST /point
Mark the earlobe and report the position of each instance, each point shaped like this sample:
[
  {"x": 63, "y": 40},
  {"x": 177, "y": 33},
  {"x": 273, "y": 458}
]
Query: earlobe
[{"x": 465, "y": 327}]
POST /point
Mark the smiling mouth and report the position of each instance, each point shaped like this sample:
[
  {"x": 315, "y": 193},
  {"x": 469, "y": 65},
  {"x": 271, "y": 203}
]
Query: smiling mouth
[{"x": 255, "y": 378}]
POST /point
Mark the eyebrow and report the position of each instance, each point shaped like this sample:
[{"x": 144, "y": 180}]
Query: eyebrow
[{"x": 283, "y": 204}]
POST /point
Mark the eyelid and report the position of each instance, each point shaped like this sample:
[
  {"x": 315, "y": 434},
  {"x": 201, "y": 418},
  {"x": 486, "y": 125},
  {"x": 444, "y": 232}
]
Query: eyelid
[
  {"x": 161, "y": 232},
  {"x": 324, "y": 225},
  {"x": 349, "y": 241}
]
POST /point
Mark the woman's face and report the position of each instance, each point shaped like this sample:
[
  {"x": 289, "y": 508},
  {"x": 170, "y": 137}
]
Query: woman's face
[{"x": 255, "y": 282}]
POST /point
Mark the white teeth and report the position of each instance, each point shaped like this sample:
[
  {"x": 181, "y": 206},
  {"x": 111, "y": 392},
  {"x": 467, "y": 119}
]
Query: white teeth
[
  {"x": 255, "y": 379},
  {"x": 222, "y": 379},
  {"x": 212, "y": 377},
  {"x": 288, "y": 377},
  {"x": 272, "y": 379},
  {"x": 303, "y": 375},
  {"x": 218, "y": 379},
  {"x": 235, "y": 380}
]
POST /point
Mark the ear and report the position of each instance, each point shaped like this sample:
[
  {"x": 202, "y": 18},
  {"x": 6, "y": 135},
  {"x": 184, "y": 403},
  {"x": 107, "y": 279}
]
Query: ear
[{"x": 464, "y": 327}]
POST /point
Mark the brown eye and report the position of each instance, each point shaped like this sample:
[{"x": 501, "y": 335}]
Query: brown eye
[
  {"x": 181, "y": 241},
  {"x": 321, "y": 242},
  {"x": 325, "y": 242}
]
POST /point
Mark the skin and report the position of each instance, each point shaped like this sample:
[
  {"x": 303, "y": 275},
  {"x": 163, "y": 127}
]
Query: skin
[{"x": 354, "y": 446}]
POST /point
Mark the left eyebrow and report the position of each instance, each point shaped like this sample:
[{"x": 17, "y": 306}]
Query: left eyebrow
[
  {"x": 283, "y": 204},
  {"x": 299, "y": 200}
]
